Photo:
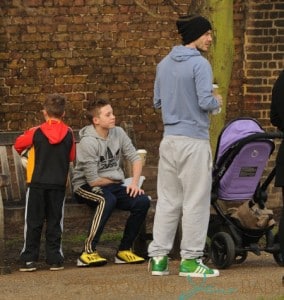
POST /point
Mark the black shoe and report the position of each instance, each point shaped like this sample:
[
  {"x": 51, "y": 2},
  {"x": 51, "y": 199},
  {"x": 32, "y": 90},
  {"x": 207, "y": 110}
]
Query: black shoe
[
  {"x": 28, "y": 267},
  {"x": 56, "y": 267}
]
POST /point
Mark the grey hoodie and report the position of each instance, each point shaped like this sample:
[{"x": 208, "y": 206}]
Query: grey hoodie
[
  {"x": 183, "y": 90},
  {"x": 97, "y": 157}
]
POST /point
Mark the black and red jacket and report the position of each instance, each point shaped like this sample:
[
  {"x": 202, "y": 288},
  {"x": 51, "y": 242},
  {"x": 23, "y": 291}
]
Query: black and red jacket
[{"x": 52, "y": 147}]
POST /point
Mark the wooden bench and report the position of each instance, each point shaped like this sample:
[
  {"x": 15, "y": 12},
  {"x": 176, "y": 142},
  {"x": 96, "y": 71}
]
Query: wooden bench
[{"x": 13, "y": 193}]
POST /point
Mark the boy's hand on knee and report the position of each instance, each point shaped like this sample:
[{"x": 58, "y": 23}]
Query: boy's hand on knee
[{"x": 133, "y": 190}]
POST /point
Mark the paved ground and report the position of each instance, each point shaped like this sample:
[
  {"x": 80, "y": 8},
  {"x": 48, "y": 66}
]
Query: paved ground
[{"x": 259, "y": 277}]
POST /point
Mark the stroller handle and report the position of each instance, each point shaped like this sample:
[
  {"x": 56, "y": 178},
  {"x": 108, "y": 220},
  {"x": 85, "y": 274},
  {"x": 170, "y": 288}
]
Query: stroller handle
[
  {"x": 273, "y": 135},
  {"x": 264, "y": 135}
]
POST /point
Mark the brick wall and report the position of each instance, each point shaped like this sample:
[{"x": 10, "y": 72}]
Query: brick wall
[
  {"x": 264, "y": 55},
  {"x": 84, "y": 49},
  {"x": 263, "y": 61},
  {"x": 235, "y": 94},
  {"x": 88, "y": 49}
]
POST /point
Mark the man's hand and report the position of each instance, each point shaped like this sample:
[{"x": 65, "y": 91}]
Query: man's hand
[{"x": 220, "y": 99}]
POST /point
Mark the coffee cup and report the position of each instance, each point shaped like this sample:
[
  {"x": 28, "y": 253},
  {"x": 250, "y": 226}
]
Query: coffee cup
[
  {"x": 142, "y": 153},
  {"x": 215, "y": 89},
  {"x": 215, "y": 93}
]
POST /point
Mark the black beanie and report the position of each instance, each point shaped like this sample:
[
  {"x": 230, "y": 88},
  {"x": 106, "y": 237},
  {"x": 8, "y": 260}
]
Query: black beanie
[{"x": 192, "y": 27}]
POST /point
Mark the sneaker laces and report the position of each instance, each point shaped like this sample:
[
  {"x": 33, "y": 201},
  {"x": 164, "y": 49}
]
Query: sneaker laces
[
  {"x": 201, "y": 268},
  {"x": 201, "y": 264}
]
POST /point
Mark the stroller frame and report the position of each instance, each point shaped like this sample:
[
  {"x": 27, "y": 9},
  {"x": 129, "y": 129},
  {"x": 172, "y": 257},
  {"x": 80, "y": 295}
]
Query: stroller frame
[{"x": 230, "y": 241}]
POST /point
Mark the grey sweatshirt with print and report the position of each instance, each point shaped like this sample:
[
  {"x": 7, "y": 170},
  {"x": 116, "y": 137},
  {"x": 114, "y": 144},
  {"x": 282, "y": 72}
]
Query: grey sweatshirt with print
[{"x": 97, "y": 157}]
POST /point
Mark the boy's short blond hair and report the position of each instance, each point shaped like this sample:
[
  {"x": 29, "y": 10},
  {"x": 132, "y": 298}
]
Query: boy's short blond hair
[{"x": 55, "y": 105}]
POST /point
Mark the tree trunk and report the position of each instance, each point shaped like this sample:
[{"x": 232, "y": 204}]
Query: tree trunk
[{"x": 221, "y": 57}]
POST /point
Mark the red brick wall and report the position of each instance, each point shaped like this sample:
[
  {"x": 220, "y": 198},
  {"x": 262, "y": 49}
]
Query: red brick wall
[
  {"x": 88, "y": 49},
  {"x": 259, "y": 57},
  {"x": 263, "y": 58},
  {"x": 235, "y": 94},
  {"x": 85, "y": 50}
]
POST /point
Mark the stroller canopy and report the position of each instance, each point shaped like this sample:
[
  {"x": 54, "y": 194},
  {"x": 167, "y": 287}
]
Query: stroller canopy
[{"x": 242, "y": 153}]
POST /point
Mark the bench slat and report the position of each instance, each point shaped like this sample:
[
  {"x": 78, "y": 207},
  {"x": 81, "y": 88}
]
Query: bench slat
[
  {"x": 20, "y": 174},
  {"x": 6, "y": 171},
  {"x": 8, "y": 138}
]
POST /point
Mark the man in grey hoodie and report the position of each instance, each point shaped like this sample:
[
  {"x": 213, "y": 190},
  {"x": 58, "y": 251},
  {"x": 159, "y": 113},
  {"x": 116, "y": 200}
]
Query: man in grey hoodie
[
  {"x": 99, "y": 182},
  {"x": 183, "y": 90}
]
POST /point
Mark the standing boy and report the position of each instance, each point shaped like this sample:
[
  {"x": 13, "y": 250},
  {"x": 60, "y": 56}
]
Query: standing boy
[
  {"x": 51, "y": 147},
  {"x": 98, "y": 182},
  {"x": 183, "y": 90}
]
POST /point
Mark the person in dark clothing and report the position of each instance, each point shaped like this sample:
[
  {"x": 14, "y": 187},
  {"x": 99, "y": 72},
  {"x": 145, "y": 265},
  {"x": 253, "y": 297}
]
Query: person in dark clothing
[
  {"x": 277, "y": 119},
  {"x": 51, "y": 148}
]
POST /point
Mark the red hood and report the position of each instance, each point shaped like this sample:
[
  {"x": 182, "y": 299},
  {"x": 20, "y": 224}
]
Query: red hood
[{"x": 54, "y": 130}]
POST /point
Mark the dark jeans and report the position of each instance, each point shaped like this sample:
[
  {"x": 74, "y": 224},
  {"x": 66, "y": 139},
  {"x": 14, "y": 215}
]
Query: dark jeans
[{"x": 114, "y": 196}]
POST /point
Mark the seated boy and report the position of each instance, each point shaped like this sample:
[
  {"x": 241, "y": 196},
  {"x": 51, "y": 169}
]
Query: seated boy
[{"x": 98, "y": 182}]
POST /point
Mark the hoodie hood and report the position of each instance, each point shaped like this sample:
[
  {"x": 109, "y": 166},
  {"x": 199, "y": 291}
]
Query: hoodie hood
[
  {"x": 54, "y": 130},
  {"x": 182, "y": 53},
  {"x": 89, "y": 131}
]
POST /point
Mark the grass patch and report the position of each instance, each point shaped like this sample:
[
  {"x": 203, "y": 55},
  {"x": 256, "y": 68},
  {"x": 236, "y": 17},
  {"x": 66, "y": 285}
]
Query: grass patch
[
  {"x": 13, "y": 242},
  {"x": 74, "y": 238},
  {"x": 111, "y": 236},
  {"x": 105, "y": 237}
]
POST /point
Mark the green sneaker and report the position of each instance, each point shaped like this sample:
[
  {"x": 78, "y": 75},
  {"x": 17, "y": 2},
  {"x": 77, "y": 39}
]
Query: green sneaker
[
  {"x": 195, "y": 268},
  {"x": 159, "y": 265}
]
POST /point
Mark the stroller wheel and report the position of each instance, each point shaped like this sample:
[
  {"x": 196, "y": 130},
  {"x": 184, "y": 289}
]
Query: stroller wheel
[
  {"x": 222, "y": 250},
  {"x": 241, "y": 257},
  {"x": 277, "y": 255}
]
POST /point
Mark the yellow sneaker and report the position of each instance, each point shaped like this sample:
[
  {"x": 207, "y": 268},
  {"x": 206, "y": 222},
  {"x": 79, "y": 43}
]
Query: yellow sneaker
[
  {"x": 90, "y": 259},
  {"x": 128, "y": 257}
]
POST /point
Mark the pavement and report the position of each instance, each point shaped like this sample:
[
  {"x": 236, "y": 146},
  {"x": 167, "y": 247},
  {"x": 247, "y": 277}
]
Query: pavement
[{"x": 258, "y": 277}]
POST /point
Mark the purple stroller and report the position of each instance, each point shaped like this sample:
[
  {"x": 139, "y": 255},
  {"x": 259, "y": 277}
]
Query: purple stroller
[{"x": 242, "y": 153}]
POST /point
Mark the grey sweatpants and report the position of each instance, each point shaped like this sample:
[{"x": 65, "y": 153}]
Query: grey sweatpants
[{"x": 184, "y": 188}]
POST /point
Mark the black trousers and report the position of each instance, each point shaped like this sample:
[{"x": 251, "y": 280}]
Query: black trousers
[
  {"x": 113, "y": 196},
  {"x": 43, "y": 205}
]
